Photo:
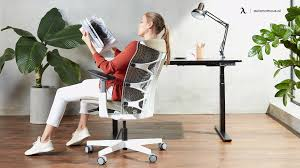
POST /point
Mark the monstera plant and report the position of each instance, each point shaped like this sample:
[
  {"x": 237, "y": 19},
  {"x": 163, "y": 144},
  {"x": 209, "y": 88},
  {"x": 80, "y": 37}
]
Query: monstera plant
[
  {"x": 30, "y": 52},
  {"x": 289, "y": 37}
]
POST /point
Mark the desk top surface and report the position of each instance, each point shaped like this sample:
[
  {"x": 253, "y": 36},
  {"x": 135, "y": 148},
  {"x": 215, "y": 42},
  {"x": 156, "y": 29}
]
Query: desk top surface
[{"x": 212, "y": 61}]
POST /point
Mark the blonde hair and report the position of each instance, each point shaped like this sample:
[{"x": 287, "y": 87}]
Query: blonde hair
[{"x": 159, "y": 25}]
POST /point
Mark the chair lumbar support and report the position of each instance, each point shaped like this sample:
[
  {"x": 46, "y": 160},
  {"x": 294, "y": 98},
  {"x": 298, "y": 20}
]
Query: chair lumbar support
[{"x": 124, "y": 143}]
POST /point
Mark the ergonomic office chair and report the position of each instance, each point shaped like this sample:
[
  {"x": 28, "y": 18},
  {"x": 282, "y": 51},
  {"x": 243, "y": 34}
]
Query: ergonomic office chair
[{"x": 137, "y": 101}]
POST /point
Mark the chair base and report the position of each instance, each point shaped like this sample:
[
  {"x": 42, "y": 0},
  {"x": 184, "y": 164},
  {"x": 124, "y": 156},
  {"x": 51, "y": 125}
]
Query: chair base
[
  {"x": 117, "y": 144},
  {"x": 132, "y": 144}
]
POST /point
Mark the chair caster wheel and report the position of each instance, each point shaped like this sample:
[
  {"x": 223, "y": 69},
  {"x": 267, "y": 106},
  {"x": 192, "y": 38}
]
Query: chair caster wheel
[
  {"x": 152, "y": 158},
  {"x": 88, "y": 149},
  {"x": 101, "y": 160},
  {"x": 162, "y": 146}
]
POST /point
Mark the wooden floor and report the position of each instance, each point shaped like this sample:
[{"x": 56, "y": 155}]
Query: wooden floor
[{"x": 258, "y": 142}]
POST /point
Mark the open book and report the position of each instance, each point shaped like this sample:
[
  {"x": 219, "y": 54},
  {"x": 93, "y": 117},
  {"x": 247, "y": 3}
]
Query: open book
[{"x": 101, "y": 36}]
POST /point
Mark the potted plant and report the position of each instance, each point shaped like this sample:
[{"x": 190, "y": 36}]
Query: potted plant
[
  {"x": 289, "y": 37},
  {"x": 30, "y": 52}
]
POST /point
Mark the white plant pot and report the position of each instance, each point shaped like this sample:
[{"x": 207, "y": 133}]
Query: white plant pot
[{"x": 41, "y": 100}]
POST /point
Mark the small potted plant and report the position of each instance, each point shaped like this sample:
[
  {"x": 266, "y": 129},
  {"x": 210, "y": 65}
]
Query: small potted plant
[{"x": 30, "y": 52}]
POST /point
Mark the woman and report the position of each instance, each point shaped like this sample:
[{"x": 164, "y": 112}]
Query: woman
[{"x": 150, "y": 27}]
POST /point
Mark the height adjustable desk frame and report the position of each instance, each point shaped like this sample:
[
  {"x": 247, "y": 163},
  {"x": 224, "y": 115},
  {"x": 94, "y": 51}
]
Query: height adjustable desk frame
[{"x": 222, "y": 63}]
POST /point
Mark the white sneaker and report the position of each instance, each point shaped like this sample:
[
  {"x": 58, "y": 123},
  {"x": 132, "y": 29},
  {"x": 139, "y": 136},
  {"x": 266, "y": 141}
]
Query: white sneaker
[
  {"x": 39, "y": 147},
  {"x": 78, "y": 136}
]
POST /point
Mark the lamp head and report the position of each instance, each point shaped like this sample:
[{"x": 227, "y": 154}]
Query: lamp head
[{"x": 199, "y": 13}]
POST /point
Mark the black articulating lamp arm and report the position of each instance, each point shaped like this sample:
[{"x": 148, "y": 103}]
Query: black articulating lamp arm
[{"x": 226, "y": 25}]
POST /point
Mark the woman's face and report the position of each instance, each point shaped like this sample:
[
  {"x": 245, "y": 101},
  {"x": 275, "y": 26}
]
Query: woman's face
[{"x": 144, "y": 26}]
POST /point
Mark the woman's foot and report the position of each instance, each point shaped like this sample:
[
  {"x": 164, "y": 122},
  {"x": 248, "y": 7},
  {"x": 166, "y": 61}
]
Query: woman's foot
[
  {"x": 39, "y": 147},
  {"x": 78, "y": 136}
]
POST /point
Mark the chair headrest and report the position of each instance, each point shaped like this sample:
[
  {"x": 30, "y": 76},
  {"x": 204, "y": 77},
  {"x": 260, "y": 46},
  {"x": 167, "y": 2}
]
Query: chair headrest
[{"x": 156, "y": 44}]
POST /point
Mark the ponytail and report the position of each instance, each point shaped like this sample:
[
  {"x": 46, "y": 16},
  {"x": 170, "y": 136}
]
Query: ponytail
[
  {"x": 166, "y": 37},
  {"x": 159, "y": 26}
]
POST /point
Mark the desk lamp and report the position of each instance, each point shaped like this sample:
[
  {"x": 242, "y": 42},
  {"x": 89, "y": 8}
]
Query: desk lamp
[{"x": 200, "y": 13}]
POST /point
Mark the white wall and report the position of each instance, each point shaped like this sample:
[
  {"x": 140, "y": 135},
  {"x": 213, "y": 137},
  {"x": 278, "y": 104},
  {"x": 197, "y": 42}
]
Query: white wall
[{"x": 185, "y": 90}]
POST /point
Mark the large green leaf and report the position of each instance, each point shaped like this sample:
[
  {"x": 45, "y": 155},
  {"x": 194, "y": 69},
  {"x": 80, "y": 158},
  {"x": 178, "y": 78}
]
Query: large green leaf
[
  {"x": 283, "y": 85},
  {"x": 297, "y": 20},
  {"x": 293, "y": 12},
  {"x": 260, "y": 55},
  {"x": 259, "y": 39},
  {"x": 267, "y": 49},
  {"x": 264, "y": 31},
  {"x": 276, "y": 72},
  {"x": 276, "y": 42},
  {"x": 267, "y": 34},
  {"x": 20, "y": 32},
  {"x": 29, "y": 54},
  {"x": 288, "y": 33},
  {"x": 285, "y": 88},
  {"x": 296, "y": 29},
  {"x": 68, "y": 71},
  {"x": 254, "y": 51},
  {"x": 50, "y": 24},
  {"x": 297, "y": 73},
  {"x": 298, "y": 45},
  {"x": 69, "y": 37},
  {"x": 281, "y": 93},
  {"x": 284, "y": 63},
  {"x": 298, "y": 85},
  {"x": 8, "y": 54},
  {"x": 291, "y": 46},
  {"x": 279, "y": 30}
]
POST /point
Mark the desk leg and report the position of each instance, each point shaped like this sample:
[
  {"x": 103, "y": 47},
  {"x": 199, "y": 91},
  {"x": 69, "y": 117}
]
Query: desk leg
[
  {"x": 115, "y": 128},
  {"x": 221, "y": 131}
]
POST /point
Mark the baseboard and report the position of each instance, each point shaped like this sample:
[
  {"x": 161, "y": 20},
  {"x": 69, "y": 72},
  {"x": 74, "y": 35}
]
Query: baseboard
[{"x": 288, "y": 116}]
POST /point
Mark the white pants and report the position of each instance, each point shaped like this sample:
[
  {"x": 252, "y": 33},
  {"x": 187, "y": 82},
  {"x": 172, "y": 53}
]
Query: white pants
[{"x": 86, "y": 89}]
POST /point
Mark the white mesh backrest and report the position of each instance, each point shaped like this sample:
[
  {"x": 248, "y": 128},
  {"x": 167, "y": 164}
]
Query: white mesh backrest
[
  {"x": 140, "y": 81},
  {"x": 150, "y": 105}
]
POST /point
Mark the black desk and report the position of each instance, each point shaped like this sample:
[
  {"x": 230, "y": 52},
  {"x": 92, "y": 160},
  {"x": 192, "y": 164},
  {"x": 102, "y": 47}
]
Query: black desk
[{"x": 213, "y": 62}]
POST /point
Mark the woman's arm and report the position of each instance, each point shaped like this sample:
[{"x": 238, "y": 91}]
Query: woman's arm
[{"x": 120, "y": 61}]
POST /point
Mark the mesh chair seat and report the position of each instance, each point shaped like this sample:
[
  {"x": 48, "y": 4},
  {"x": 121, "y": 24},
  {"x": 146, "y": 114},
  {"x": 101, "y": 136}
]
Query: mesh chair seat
[{"x": 113, "y": 105}]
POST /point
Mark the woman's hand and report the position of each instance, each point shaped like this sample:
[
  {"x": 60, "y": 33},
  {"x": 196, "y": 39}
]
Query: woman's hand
[
  {"x": 86, "y": 38},
  {"x": 113, "y": 49}
]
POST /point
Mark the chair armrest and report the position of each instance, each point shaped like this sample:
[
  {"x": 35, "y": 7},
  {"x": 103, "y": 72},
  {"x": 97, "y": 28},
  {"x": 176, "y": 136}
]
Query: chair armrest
[{"x": 101, "y": 75}]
